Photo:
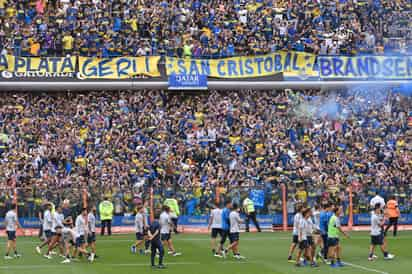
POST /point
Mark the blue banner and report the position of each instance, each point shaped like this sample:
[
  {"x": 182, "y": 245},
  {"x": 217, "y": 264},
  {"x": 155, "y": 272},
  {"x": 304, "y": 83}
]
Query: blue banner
[
  {"x": 366, "y": 67},
  {"x": 258, "y": 197},
  {"x": 187, "y": 82}
]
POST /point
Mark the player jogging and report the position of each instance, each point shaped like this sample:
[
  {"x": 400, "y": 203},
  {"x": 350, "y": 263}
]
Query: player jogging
[
  {"x": 234, "y": 232},
  {"x": 324, "y": 218},
  {"x": 317, "y": 238},
  {"x": 295, "y": 240},
  {"x": 57, "y": 226},
  {"x": 215, "y": 223},
  {"x": 166, "y": 231},
  {"x": 47, "y": 227},
  {"x": 91, "y": 229},
  {"x": 305, "y": 238},
  {"x": 156, "y": 243},
  {"x": 69, "y": 238},
  {"x": 334, "y": 228},
  {"x": 140, "y": 224},
  {"x": 377, "y": 234},
  {"x": 11, "y": 223},
  {"x": 81, "y": 232},
  {"x": 225, "y": 226}
]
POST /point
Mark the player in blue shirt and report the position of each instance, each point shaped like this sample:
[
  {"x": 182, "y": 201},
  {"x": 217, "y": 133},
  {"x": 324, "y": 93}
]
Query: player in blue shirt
[
  {"x": 225, "y": 225},
  {"x": 156, "y": 243},
  {"x": 324, "y": 218}
]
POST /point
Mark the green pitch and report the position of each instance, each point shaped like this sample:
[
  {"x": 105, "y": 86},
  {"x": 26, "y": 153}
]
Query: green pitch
[{"x": 265, "y": 252}]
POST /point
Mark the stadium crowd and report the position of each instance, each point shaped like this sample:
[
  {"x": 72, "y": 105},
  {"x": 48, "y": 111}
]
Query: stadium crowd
[
  {"x": 207, "y": 29},
  {"x": 217, "y": 145}
]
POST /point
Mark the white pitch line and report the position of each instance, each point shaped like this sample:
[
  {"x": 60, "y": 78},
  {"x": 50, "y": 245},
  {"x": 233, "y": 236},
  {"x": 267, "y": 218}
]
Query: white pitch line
[
  {"x": 274, "y": 237},
  {"x": 365, "y": 268}
]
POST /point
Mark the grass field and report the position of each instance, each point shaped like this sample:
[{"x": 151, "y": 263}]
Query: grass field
[{"x": 265, "y": 252}]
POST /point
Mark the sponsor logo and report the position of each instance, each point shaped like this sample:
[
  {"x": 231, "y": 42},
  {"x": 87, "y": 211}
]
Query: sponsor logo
[
  {"x": 6, "y": 74},
  {"x": 36, "y": 74}
]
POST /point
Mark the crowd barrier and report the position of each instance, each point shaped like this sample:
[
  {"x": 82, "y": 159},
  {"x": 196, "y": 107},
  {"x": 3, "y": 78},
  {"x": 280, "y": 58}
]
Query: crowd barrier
[{"x": 266, "y": 221}]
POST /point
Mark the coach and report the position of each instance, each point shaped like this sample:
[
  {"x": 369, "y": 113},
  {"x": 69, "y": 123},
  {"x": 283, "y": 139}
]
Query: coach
[{"x": 106, "y": 215}]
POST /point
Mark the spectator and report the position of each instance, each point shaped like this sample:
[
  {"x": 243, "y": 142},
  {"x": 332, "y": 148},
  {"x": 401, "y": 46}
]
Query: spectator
[
  {"x": 205, "y": 29},
  {"x": 205, "y": 148}
]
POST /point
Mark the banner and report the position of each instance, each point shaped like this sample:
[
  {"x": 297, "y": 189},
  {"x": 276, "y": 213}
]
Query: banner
[
  {"x": 118, "y": 68},
  {"x": 27, "y": 67},
  {"x": 290, "y": 63},
  {"x": 297, "y": 65},
  {"x": 370, "y": 67},
  {"x": 187, "y": 82},
  {"x": 258, "y": 197},
  {"x": 203, "y": 221}
]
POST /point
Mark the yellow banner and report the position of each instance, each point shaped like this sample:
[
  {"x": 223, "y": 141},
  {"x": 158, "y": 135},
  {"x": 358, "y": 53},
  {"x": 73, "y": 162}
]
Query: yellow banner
[
  {"x": 118, "y": 68},
  {"x": 290, "y": 63},
  {"x": 37, "y": 64},
  {"x": 360, "y": 67}
]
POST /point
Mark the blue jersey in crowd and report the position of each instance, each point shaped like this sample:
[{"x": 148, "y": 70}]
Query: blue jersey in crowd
[
  {"x": 225, "y": 219},
  {"x": 324, "y": 221}
]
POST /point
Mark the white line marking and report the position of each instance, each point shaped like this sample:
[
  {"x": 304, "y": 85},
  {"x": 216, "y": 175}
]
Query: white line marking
[
  {"x": 25, "y": 241},
  {"x": 365, "y": 268}
]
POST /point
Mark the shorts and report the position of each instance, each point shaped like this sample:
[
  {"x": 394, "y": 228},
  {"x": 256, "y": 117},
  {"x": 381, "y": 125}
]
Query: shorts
[
  {"x": 233, "y": 237},
  {"x": 48, "y": 233},
  {"x": 303, "y": 244},
  {"x": 80, "y": 241},
  {"x": 11, "y": 235},
  {"x": 57, "y": 234},
  {"x": 67, "y": 236},
  {"x": 310, "y": 241},
  {"x": 325, "y": 241},
  {"x": 225, "y": 233},
  {"x": 216, "y": 232},
  {"x": 91, "y": 238},
  {"x": 295, "y": 239},
  {"x": 377, "y": 240},
  {"x": 139, "y": 236},
  {"x": 165, "y": 236},
  {"x": 333, "y": 242}
]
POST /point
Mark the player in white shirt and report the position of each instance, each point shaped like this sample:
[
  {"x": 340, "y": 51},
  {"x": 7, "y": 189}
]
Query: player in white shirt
[
  {"x": 377, "y": 200},
  {"x": 81, "y": 232},
  {"x": 215, "y": 223},
  {"x": 57, "y": 226},
  {"x": 317, "y": 238},
  {"x": 295, "y": 233},
  {"x": 11, "y": 223},
  {"x": 69, "y": 237},
  {"x": 91, "y": 236},
  {"x": 234, "y": 232},
  {"x": 305, "y": 238},
  {"x": 140, "y": 228},
  {"x": 166, "y": 225},
  {"x": 377, "y": 234},
  {"x": 47, "y": 227}
]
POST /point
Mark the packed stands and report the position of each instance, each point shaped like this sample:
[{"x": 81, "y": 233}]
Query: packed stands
[
  {"x": 203, "y": 29},
  {"x": 205, "y": 147}
]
